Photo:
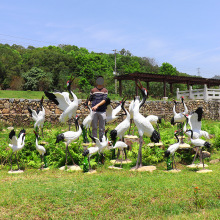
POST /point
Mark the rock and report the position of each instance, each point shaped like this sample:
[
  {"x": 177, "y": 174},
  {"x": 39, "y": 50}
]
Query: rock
[
  {"x": 214, "y": 161},
  {"x": 15, "y": 171},
  {"x": 10, "y": 128},
  {"x": 91, "y": 172},
  {"x": 119, "y": 161},
  {"x": 144, "y": 168},
  {"x": 205, "y": 154},
  {"x": 204, "y": 171},
  {"x": 57, "y": 111},
  {"x": 184, "y": 146},
  {"x": 114, "y": 168},
  {"x": 72, "y": 168},
  {"x": 172, "y": 171},
  {"x": 196, "y": 165},
  {"x": 6, "y": 111}
]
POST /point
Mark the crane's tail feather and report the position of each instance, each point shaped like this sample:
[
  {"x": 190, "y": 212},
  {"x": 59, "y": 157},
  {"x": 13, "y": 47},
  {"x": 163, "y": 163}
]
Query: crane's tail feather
[
  {"x": 159, "y": 120},
  {"x": 60, "y": 137},
  {"x": 85, "y": 153},
  {"x": 207, "y": 144},
  {"x": 113, "y": 134},
  {"x": 167, "y": 153},
  {"x": 172, "y": 121},
  {"x": 155, "y": 137}
]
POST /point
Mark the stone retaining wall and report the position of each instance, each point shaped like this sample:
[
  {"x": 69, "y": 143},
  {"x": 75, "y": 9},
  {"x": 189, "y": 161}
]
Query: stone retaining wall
[{"x": 14, "y": 111}]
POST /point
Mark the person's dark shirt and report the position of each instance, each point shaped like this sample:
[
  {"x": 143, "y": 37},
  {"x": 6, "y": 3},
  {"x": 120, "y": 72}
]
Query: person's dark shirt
[{"x": 96, "y": 96}]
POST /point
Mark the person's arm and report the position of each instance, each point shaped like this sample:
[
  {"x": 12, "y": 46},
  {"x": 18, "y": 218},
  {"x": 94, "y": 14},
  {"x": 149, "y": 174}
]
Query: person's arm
[{"x": 99, "y": 104}]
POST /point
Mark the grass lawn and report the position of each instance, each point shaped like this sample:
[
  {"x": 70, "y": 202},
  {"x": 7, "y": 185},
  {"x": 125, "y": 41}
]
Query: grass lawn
[
  {"x": 38, "y": 94},
  {"x": 110, "y": 194},
  {"x": 21, "y": 94}
]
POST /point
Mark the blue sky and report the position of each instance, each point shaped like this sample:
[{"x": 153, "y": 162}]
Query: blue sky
[{"x": 184, "y": 33}]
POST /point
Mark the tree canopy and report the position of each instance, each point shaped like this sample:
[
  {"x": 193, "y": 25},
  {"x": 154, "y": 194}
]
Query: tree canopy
[{"x": 50, "y": 67}]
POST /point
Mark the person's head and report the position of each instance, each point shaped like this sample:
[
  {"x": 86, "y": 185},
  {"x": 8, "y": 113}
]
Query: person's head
[{"x": 100, "y": 81}]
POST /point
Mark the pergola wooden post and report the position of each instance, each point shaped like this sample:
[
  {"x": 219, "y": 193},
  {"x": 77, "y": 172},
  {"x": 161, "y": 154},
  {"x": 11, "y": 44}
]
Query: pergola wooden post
[
  {"x": 171, "y": 88},
  {"x": 136, "y": 88},
  {"x": 148, "y": 85},
  {"x": 164, "y": 89},
  {"x": 120, "y": 87}
]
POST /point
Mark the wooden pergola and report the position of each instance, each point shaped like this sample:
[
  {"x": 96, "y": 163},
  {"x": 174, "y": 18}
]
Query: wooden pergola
[{"x": 149, "y": 77}]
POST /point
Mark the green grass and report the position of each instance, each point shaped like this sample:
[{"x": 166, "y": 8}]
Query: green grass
[
  {"x": 110, "y": 194},
  {"x": 38, "y": 94},
  {"x": 21, "y": 94}
]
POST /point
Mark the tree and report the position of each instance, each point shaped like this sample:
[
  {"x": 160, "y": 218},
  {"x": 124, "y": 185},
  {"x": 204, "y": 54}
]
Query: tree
[
  {"x": 167, "y": 69},
  {"x": 37, "y": 79}
]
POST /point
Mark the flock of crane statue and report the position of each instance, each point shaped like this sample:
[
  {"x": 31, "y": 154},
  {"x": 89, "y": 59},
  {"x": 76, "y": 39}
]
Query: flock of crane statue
[{"x": 145, "y": 127}]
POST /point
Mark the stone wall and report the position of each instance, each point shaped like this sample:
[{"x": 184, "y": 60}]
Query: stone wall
[{"x": 14, "y": 111}]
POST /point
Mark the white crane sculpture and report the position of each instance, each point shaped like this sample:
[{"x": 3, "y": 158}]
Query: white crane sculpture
[
  {"x": 172, "y": 149},
  {"x": 68, "y": 137},
  {"x": 121, "y": 146},
  {"x": 198, "y": 143},
  {"x": 16, "y": 144},
  {"x": 143, "y": 125},
  {"x": 112, "y": 114},
  {"x": 98, "y": 148},
  {"x": 87, "y": 122},
  {"x": 40, "y": 149},
  {"x": 62, "y": 100},
  {"x": 38, "y": 116},
  {"x": 120, "y": 129}
]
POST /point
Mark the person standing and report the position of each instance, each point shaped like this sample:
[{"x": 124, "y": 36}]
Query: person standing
[{"x": 98, "y": 97}]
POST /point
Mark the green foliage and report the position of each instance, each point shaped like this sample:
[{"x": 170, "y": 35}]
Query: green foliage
[
  {"x": 168, "y": 69},
  {"x": 56, "y": 64},
  {"x": 84, "y": 85},
  {"x": 37, "y": 79},
  {"x": 150, "y": 155}
]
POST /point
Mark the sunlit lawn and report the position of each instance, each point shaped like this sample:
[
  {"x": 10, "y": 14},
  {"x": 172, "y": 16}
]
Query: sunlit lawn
[{"x": 110, "y": 194}]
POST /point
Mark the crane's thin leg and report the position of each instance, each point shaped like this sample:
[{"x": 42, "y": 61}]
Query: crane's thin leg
[
  {"x": 130, "y": 127},
  {"x": 200, "y": 156},
  {"x": 89, "y": 163},
  {"x": 69, "y": 122},
  {"x": 141, "y": 151},
  {"x": 42, "y": 132},
  {"x": 195, "y": 155},
  {"x": 86, "y": 136},
  {"x": 11, "y": 160},
  {"x": 98, "y": 157},
  {"x": 116, "y": 158},
  {"x": 70, "y": 155},
  {"x": 158, "y": 130},
  {"x": 17, "y": 161},
  {"x": 174, "y": 161},
  {"x": 118, "y": 155},
  {"x": 41, "y": 156},
  {"x": 121, "y": 159},
  {"x": 66, "y": 154},
  {"x": 125, "y": 152}
]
